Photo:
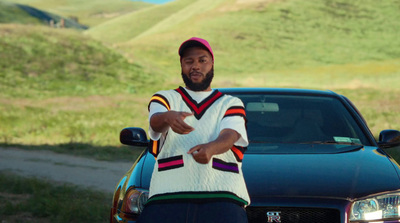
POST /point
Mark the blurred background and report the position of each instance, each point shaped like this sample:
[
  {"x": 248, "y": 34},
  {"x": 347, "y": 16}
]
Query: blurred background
[{"x": 73, "y": 73}]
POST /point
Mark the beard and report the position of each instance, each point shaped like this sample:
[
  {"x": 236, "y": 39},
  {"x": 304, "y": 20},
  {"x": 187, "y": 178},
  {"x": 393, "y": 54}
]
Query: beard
[{"x": 203, "y": 85}]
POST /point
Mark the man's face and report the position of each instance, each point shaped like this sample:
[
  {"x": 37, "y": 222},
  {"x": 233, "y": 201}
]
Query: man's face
[{"x": 197, "y": 69}]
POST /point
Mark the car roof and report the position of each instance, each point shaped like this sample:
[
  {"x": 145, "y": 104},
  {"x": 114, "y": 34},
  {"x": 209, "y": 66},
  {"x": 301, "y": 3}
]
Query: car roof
[{"x": 289, "y": 91}]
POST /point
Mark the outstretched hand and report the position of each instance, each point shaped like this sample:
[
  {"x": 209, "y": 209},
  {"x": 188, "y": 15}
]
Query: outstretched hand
[{"x": 176, "y": 121}]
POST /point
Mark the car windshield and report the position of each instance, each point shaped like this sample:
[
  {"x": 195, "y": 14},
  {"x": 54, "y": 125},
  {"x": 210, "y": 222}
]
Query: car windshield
[{"x": 299, "y": 119}]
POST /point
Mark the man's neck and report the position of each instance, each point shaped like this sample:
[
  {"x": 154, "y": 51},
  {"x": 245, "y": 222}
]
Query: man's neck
[{"x": 206, "y": 90}]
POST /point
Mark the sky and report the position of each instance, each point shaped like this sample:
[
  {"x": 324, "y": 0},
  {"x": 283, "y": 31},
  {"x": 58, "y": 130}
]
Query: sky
[{"x": 155, "y": 1}]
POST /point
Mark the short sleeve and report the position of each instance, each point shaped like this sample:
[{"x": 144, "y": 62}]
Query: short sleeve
[
  {"x": 235, "y": 118},
  {"x": 155, "y": 108},
  {"x": 236, "y": 123}
]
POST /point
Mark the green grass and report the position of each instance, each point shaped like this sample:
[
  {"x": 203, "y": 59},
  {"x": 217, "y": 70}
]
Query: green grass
[
  {"x": 180, "y": 16},
  {"x": 35, "y": 200},
  {"x": 11, "y": 13},
  {"x": 93, "y": 120},
  {"x": 348, "y": 47},
  {"x": 41, "y": 62},
  {"x": 283, "y": 34},
  {"x": 136, "y": 23},
  {"x": 24, "y": 14},
  {"x": 61, "y": 88},
  {"x": 88, "y": 150}
]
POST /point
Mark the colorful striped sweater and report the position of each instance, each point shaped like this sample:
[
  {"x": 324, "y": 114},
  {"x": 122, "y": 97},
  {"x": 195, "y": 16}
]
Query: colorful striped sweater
[{"x": 177, "y": 176}]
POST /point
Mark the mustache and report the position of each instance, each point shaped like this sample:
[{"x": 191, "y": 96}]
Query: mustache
[{"x": 195, "y": 72}]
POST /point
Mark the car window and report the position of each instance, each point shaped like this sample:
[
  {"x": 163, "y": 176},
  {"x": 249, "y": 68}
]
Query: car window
[{"x": 300, "y": 119}]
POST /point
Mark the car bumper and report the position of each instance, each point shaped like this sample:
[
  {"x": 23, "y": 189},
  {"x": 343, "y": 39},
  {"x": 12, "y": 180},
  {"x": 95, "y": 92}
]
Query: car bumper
[
  {"x": 119, "y": 217},
  {"x": 288, "y": 210}
]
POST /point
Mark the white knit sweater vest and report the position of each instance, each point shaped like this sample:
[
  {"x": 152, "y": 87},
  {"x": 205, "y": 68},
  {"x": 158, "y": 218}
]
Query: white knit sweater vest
[{"x": 176, "y": 174}]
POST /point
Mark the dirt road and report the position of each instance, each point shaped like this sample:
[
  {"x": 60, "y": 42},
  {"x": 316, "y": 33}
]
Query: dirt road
[{"x": 101, "y": 175}]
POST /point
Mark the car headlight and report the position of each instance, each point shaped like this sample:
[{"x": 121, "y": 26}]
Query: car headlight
[
  {"x": 381, "y": 207},
  {"x": 134, "y": 200}
]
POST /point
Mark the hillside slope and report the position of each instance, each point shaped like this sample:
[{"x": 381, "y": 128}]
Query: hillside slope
[
  {"x": 131, "y": 25},
  {"x": 11, "y": 13},
  {"x": 88, "y": 12},
  {"x": 266, "y": 35},
  {"x": 175, "y": 19},
  {"x": 59, "y": 86},
  {"x": 24, "y": 14},
  {"x": 42, "y": 62}
]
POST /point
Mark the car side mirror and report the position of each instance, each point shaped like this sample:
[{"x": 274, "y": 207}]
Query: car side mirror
[
  {"x": 133, "y": 136},
  {"x": 389, "y": 138}
]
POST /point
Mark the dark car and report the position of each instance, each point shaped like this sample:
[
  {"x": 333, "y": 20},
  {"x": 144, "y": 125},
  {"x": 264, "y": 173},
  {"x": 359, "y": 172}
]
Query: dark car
[{"x": 311, "y": 159}]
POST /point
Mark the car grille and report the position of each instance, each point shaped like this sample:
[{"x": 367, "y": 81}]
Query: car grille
[{"x": 293, "y": 215}]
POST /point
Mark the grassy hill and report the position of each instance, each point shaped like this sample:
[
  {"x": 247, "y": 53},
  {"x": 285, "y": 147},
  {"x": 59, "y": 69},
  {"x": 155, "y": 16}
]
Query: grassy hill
[
  {"x": 11, "y": 13},
  {"x": 44, "y": 62},
  {"x": 23, "y": 14},
  {"x": 131, "y": 25},
  {"x": 349, "y": 47},
  {"x": 60, "y": 86},
  {"x": 280, "y": 34},
  {"x": 88, "y": 12}
]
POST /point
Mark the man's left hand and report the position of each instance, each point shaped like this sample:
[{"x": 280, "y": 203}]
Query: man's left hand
[{"x": 201, "y": 153}]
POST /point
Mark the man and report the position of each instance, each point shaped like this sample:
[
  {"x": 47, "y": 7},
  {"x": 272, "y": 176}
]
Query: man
[{"x": 198, "y": 137}]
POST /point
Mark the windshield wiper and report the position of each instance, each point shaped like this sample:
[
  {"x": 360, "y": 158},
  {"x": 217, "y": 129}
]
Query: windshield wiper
[
  {"x": 258, "y": 141},
  {"x": 332, "y": 142}
]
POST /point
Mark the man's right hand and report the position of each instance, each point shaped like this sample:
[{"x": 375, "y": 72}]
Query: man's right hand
[{"x": 174, "y": 119}]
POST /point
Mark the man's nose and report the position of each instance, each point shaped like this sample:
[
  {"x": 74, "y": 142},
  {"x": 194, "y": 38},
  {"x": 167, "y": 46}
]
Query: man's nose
[{"x": 195, "y": 66}]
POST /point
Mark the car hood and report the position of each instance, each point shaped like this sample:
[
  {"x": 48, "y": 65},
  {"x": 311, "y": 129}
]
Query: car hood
[{"x": 359, "y": 172}]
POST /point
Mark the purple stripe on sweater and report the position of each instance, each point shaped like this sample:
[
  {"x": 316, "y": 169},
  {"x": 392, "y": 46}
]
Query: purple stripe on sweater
[{"x": 225, "y": 167}]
